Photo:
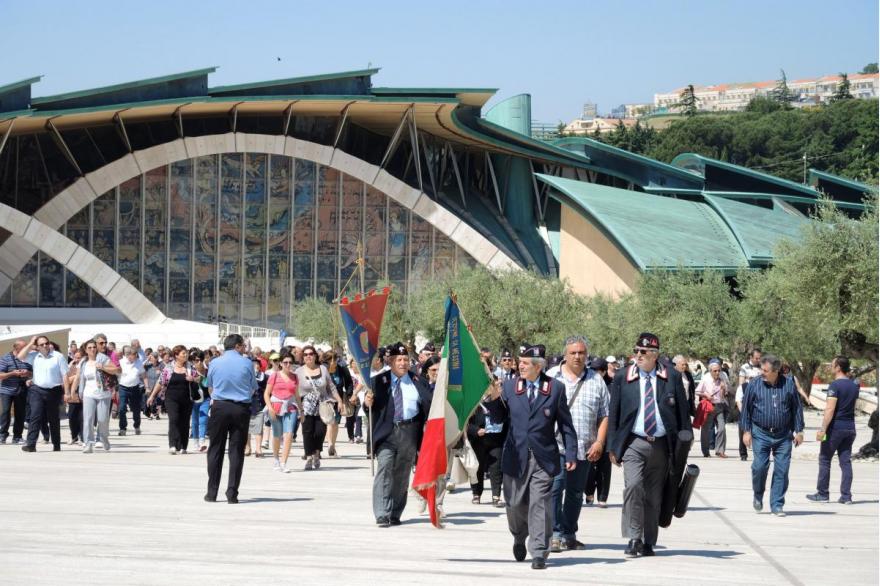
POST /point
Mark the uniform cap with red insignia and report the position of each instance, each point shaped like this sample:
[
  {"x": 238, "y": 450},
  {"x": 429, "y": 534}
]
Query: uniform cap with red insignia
[
  {"x": 536, "y": 351},
  {"x": 648, "y": 341},
  {"x": 397, "y": 349}
]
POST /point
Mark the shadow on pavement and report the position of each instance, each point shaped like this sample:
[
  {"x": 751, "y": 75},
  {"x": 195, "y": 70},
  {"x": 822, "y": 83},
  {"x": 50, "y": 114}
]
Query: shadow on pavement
[
  {"x": 272, "y": 499},
  {"x": 702, "y": 553},
  {"x": 805, "y": 513},
  {"x": 552, "y": 561},
  {"x": 469, "y": 514},
  {"x": 706, "y": 509}
]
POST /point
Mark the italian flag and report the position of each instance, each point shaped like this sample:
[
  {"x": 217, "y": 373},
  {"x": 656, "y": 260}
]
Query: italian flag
[{"x": 461, "y": 383}]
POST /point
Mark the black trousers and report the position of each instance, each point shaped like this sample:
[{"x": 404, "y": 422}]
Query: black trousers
[
  {"x": 599, "y": 478},
  {"x": 488, "y": 451},
  {"x": 7, "y": 404},
  {"x": 43, "y": 405},
  {"x": 743, "y": 450},
  {"x": 349, "y": 426},
  {"x": 179, "y": 408},
  {"x": 75, "y": 420},
  {"x": 313, "y": 430},
  {"x": 227, "y": 420}
]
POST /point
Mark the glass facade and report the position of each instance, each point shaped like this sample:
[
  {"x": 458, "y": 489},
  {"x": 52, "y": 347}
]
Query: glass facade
[{"x": 240, "y": 238}]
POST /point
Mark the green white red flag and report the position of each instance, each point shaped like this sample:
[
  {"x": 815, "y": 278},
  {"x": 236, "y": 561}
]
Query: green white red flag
[{"x": 462, "y": 381}]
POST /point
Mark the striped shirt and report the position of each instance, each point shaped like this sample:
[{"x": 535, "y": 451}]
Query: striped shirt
[
  {"x": 588, "y": 409},
  {"x": 774, "y": 407},
  {"x": 14, "y": 384}
]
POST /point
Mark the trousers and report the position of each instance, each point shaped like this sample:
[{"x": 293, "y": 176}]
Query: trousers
[
  {"x": 96, "y": 410},
  {"x": 840, "y": 442},
  {"x": 599, "y": 478},
  {"x": 645, "y": 465},
  {"x": 7, "y": 404},
  {"x": 394, "y": 460},
  {"x": 568, "y": 497},
  {"x": 488, "y": 451},
  {"x": 43, "y": 405},
  {"x": 75, "y": 420},
  {"x": 764, "y": 444},
  {"x": 314, "y": 430},
  {"x": 178, "y": 406},
  {"x": 130, "y": 397},
  {"x": 228, "y": 420},
  {"x": 719, "y": 417},
  {"x": 529, "y": 503}
]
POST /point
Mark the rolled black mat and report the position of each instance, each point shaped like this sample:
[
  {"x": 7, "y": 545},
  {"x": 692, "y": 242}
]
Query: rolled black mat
[{"x": 688, "y": 482}]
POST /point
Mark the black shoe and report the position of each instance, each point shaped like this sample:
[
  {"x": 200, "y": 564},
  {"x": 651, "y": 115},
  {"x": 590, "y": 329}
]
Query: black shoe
[
  {"x": 519, "y": 551},
  {"x": 27, "y": 448},
  {"x": 232, "y": 500},
  {"x": 647, "y": 550},
  {"x": 744, "y": 458},
  {"x": 633, "y": 549},
  {"x": 383, "y": 522},
  {"x": 395, "y": 521},
  {"x": 845, "y": 501},
  {"x": 210, "y": 498},
  {"x": 573, "y": 544},
  {"x": 817, "y": 498},
  {"x": 56, "y": 448},
  {"x": 539, "y": 563}
]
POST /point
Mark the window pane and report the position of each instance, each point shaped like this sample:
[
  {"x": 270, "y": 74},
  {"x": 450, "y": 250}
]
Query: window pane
[
  {"x": 24, "y": 286},
  {"x": 51, "y": 282},
  {"x": 204, "y": 266},
  {"x": 154, "y": 236}
]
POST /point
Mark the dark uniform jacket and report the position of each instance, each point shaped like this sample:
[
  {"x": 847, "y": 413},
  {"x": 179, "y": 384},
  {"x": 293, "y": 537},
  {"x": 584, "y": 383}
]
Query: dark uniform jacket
[
  {"x": 382, "y": 414},
  {"x": 534, "y": 427},
  {"x": 478, "y": 422},
  {"x": 626, "y": 398}
]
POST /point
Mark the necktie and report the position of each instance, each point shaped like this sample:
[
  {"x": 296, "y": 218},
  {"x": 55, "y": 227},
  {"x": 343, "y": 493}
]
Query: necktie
[
  {"x": 397, "y": 397},
  {"x": 531, "y": 393},
  {"x": 650, "y": 409}
]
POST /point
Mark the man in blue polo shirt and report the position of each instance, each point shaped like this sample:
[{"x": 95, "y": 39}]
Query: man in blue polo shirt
[
  {"x": 13, "y": 392},
  {"x": 48, "y": 388},
  {"x": 231, "y": 383}
]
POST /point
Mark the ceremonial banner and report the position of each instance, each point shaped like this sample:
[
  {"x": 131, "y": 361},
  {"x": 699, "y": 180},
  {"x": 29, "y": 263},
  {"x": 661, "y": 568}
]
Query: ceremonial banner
[
  {"x": 362, "y": 318},
  {"x": 462, "y": 380}
]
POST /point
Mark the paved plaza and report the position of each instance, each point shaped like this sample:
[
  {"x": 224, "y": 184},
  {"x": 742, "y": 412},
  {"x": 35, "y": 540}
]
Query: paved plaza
[{"x": 135, "y": 515}]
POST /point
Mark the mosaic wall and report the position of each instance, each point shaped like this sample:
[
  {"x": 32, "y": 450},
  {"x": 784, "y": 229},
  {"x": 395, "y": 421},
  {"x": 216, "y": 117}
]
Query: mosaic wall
[{"x": 239, "y": 238}]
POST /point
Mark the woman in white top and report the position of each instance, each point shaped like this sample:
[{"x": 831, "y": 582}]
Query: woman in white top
[
  {"x": 95, "y": 398},
  {"x": 315, "y": 387}
]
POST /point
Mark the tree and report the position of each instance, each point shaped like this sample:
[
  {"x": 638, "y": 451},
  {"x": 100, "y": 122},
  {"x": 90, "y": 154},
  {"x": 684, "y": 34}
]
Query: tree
[
  {"x": 317, "y": 321},
  {"x": 763, "y": 105},
  {"x": 687, "y": 101},
  {"x": 781, "y": 94},
  {"x": 842, "y": 92},
  {"x": 870, "y": 68}
]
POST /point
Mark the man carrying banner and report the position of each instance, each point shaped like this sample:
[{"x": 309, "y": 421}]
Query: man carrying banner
[
  {"x": 533, "y": 405},
  {"x": 400, "y": 400}
]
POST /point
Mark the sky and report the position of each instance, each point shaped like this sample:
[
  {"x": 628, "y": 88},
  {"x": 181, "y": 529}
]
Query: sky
[{"x": 563, "y": 53}]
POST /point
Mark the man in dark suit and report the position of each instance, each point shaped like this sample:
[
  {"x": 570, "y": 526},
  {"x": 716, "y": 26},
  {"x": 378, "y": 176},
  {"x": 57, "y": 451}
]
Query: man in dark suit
[
  {"x": 400, "y": 401},
  {"x": 532, "y": 405},
  {"x": 648, "y": 409}
]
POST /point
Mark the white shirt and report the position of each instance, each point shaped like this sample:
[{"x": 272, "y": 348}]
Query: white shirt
[
  {"x": 90, "y": 383},
  {"x": 49, "y": 370},
  {"x": 132, "y": 374},
  {"x": 639, "y": 427}
]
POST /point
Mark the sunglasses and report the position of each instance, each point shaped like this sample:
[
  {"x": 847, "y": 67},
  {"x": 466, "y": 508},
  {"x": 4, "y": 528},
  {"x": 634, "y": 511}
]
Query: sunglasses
[
  {"x": 287, "y": 362},
  {"x": 309, "y": 354},
  {"x": 642, "y": 351},
  {"x": 41, "y": 345}
]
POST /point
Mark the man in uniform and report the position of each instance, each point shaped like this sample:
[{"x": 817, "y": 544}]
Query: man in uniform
[
  {"x": 506, "y": 369},
  {"x": 400, "y": 401},
  {"x": 648, "y": 409},
  {"x": 532, "y": 405}
]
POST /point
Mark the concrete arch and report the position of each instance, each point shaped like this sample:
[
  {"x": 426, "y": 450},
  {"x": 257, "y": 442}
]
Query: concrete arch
[
  {"x": 109, "y": 284},
  {"x": 57, "y": 211}
]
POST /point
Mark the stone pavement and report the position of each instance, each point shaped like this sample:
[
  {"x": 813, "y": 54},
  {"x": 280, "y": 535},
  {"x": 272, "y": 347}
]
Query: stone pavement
[{"x": 135, "y": 515}]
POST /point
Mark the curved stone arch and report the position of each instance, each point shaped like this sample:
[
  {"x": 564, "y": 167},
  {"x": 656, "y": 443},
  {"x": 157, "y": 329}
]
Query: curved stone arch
[
  {"x": 63, "y": 206},
  {"x": 109, "y": 284}
]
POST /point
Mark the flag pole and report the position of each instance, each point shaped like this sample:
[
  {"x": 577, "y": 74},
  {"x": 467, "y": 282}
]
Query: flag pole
[{"x": 360, "y": 263}]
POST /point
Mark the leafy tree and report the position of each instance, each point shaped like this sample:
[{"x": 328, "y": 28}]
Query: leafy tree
[
  {"x": 781, "y": 94},
  {"x": 317, "y": 321},
  {"x": 869, "y": 68},
  {"x": 687, "y": 101},
  {"x": 843, "y": 88},
  {"x": 763, "y": 105}
]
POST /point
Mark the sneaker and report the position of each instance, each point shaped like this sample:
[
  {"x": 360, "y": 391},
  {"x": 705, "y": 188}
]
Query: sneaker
[
  {"x": 121, "y": 433},
  {"x": 276, "y": 465},
  {"x": 286, "y": 470},
  {"x": 172, "y": 451},
  {"x": 183, "y": 451},
  {"x": 18, "y": 441},
  {"x": 555, "y": 545},
  {"x": 137, "y": 430},
  {"x": 88, "y": 448},
  {"x": 204, "y": 448},
  {"x": 3, "y": 440},
  {"x": 845, "y": 501},
  {"x": 757, "y": 505},
  {"x": 817, "y": 498},
  {"x": 309, "y": 464},
  {"x": 72, "y": 442},
  {"x": 27, "y": 448},
  {"x": 46, "y": 440},
  {"x": 106, "y": 446},
  {"x": 778, "y": 513},
  {"x": 602, "y": 504},
  {"x": 317, "y": 463},
  {"x": 266, "y": 445}
]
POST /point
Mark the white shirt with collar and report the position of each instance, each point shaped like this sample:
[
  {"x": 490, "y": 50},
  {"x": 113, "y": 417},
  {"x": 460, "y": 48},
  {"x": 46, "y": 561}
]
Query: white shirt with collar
[
  {"x": 49, "y": 370},
  {"x": 410, "y": 395},
  {"x": 132, "y": 374},
  {"x": 639, "y": 427}
]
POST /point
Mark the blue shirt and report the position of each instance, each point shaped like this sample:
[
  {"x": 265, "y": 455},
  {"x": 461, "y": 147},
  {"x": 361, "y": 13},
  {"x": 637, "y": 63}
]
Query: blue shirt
[
  {"x": 776, "y": 406},
  {"x": 13, "y": 384},
  {"x": 231, "y": 377},
  {"x": 847, "y": 393},
  {"x": 639, "y": 427},
  {"x": 49, "y": 370},
  {"x": 410, "y": 395}
]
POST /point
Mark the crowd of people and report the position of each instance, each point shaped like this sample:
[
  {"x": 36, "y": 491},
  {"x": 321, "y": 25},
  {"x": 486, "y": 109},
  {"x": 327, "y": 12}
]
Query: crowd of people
[{"x": 546, "y": 434}]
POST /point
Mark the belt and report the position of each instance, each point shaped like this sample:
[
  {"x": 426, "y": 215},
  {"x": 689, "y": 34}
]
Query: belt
[
  {"x": 649, "y": 438},
  {"x": 772, "y": 430},
  {"x": 405, "y": 422},
  {"x": 245, "y": 403}
]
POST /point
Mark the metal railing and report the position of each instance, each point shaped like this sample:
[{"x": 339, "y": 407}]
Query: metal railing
[{"x": 246, "y": 331}]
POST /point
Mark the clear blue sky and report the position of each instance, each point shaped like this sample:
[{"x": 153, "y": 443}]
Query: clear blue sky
[{"x": 562, "y": 52}]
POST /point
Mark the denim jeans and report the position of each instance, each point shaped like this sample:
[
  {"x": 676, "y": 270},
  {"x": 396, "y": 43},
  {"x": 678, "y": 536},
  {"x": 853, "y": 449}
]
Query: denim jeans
[
  {"x": 198, "y": 421},
  {"x": 130, "y": 397},
  {"x": 764, "y": 444},
  {"x": 7, "y": 402},
  {"x": 568, "y": 496}
]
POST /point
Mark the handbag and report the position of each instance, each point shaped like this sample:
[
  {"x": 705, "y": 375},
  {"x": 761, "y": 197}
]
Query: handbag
[
  {"x": 196, "y": 394},
  {"x": 327, "y": 412},
  {"x": 704, "y": 410}
]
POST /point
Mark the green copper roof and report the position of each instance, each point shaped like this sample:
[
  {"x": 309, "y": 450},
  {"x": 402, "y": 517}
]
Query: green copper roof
[
  {"x": 440, "y": 91},
  {"x": 699, "y": 163},
  {"x": 19, "y": 84},
  {"x": 757, "y": 229},
  {"x": 655, "y": 232},
  {"x": 254, "y": 87},
  {"x": 122, "y": 86},
  {"x": 817, "y": 178}
]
